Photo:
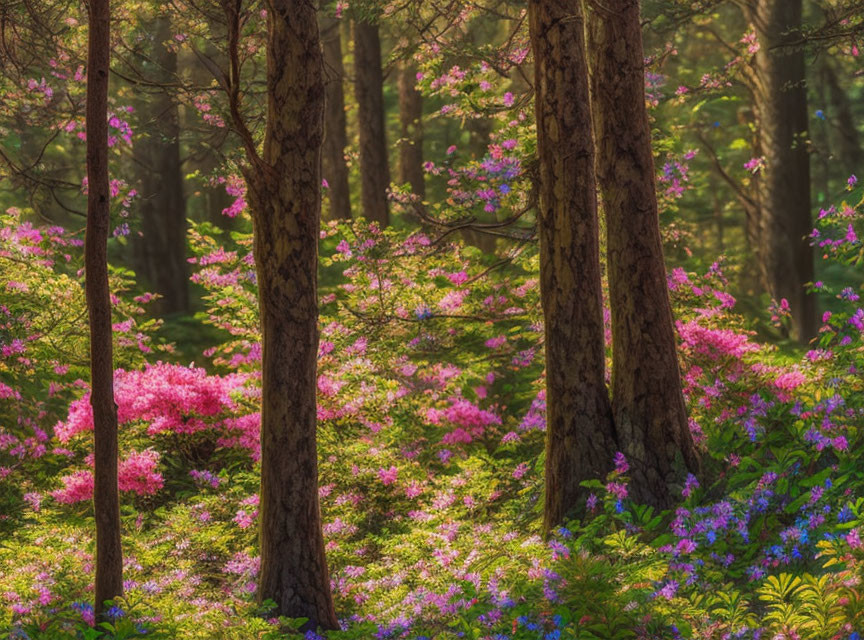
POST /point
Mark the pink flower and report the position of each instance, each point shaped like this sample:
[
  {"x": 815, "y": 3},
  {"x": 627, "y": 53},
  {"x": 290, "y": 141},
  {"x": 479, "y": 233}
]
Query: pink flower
[
  {"x": 77, "y": 487},
  {"x": 621, "y": 464},
  {"x": 790, "y": 380},
  {"x": 137, "y": 473},
  {"x": 388, "y": 476}
]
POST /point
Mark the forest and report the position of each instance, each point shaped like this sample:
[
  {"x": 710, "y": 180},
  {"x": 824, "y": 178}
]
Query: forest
[{"x": 431, "y": 319}]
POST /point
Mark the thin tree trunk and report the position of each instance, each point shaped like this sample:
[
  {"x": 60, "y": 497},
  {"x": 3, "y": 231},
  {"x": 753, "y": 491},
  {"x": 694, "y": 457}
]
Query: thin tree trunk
[
  {"x": 720, "y": 228},
  {"x": 284, "y": 189},
  {"x": 647, "y": 402},
  {"x": 821, "y": 148},
  {"x": 369, "y": 92},
  {"x": 205, "y": 157},
  {"x": 411, "y": 121},
  {"x": 780, "y": 102},
  {"x": 160, "y": 251},
  {"x": 580, "y": 437},
  {"x": 335, "y": 169},
  {"x": 843, "y": 122},
  {"x": 106, "y": 501}
]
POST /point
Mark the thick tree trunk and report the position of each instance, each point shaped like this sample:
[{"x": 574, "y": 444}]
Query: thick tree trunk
[
  {"x": 780, "y": 102},
  {"x": 647, "y": 403},
  {"x": 335, "y": 169},
  {"x": 369, "y": 92},
  {"x": 411, "y": 122},
  {"x": 580, "y": 437},
  {"x": 284, "y": 189},
  {"x": 106, "y": 501},
  {"x": 159, "y": 251}
]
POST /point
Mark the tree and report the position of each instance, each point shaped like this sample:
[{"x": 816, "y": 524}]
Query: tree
[
  {"x": 580, "y": 438},
  {"x": 647, "y": 403},
  {"x": 284, "y": 195},
  {"x": 106, "y": 500},
  {"x": 411, "y": 123},
  {"x": 159, "y": 253},
  {"x": 369, "y": 92},
  {"x": 335, "y": 169},
  {"x": 779, "y": 89},
  {"x": 850, "y": 152}
]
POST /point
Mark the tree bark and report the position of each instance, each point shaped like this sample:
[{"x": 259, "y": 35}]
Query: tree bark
[
  {"x": 580, "y": 437},
  {"x": 335, "y": 169},
  {"x": 779, "y": 93},
  {"x": 411, "y": 122},
  {"x": 647, "y": 402},
  {"x": 106, "y": 501},
  {"x": 159, "y": 252},
  {"x": 284, "y": 190},
  {"x": 369, "y": 92}
]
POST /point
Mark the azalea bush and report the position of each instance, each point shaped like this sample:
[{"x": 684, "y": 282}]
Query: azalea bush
[
  {"x": 44, "y": 350},
  {"x": 432, "y": 415}
]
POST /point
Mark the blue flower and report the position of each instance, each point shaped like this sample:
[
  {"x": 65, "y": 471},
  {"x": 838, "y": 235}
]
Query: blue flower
[{"x": 115, "y": 612}]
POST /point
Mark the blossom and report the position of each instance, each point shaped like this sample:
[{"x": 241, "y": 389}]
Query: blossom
[
  {"x": 790, "y": 380},
  {"x": 388, "y": 476}
]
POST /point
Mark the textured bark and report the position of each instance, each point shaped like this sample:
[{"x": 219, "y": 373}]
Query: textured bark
[
  {"x": 284, "y": 189},
  {"x": 335, "y": 169},
  {"x": 580, "y": 437},
  {"x": 106, "y": 502},
  {"x": 369, "y": 92},
  {"x": 647, "y": 402},
  {"x": 780, "y": 102},
  {"x": 159, "y": 252},
  {"x": 411, "y": 123}
]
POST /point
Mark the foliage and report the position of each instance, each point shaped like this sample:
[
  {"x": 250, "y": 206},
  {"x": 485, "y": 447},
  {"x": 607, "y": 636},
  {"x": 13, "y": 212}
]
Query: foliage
[{"x": 431, "y": 378}]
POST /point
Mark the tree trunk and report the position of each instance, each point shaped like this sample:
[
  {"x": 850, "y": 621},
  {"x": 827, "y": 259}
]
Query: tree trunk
[
  {"x": 369, "y": 91},
  {"x": 843, "y": 122},
  {"x": 160, "y": 250},
  {"x": 284, "y": 190},
  {"x": 580, "y": 437},
  {"x": 411, "y": 121},
  {"x": 335, "y": 169},
  {"x": 106, "y": 501},
  {"x": 780, "y": 102},
  {"x": 647, "y": 402}
]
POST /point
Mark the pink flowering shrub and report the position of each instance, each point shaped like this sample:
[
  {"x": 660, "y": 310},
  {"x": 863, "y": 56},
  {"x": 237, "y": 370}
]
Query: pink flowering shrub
[
  {"x": 181, "y": 410},
  {"x": 41, "y": 304},
  {"x": 137, "y": 473},
  {"x": 431, "y": 424},
  {"x": 167, "y": 398}
]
